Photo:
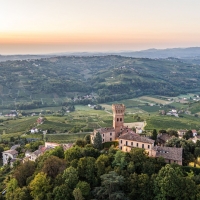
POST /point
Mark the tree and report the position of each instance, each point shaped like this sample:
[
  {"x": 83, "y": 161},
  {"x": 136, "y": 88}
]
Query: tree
[
  {"x": 120, "y": 160},
  {"x": 172, "y": 132},
  {"x": 22, "y": 194},
  {"x": 77, "y": 194},
  {"x": 188, "y": 135},
  {"x": 57, "y": 151},
  {"x": 11, "y": 187},
  {"x": 84, "y": 188},
  {"x": 70, "y": 176},
  {"x": 1, "y": 150},
  {"x": 80, "y": 143},
  {"x": 53, "y": 166},
  {"x": 140, "y": 187},
  {"x": 102, "y": 164},
  {"x": 62, "y": 192},
  {"x": 90, "y": 151},
  {"x": 40, "y": 186},
  {"x": 167, "y": 183},
  {"x": 154, "y": 134},
  {"x": 23, "y": 171},
  {"x": 138, "y": 157},
  {"x": 87, "y": 139},
  {"x": 98, "y": 141},
  {"x": 86, "y": 169},
  {"x": 111, "y": 187},
  {"x": 197, "y": 152},
  {"x": 73, "y": 153}
]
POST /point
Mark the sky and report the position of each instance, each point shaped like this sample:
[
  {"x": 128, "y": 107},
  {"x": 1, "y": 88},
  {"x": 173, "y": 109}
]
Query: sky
[{"x": 50, "y": 26}]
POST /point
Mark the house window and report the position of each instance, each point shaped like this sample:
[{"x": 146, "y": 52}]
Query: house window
[
  {"x": 110, "y": 139},
  {"x": 103, "y": 140},
  {"x": 110, "y": 134},
  {"x": 131, "y": 143},
  {"x": 103, "y": 135},
  {"x": 148, "y": 146},
  {"x": 142, "y": 145},
  {"x": 126, "y": 143},
  {"x": 120, "y": 119},
  {"x": 121, "y": 148},
  {"x": 137, "y": 144},
  {"x": 117, "y": 119},
  {"x": 121, "y": 141}
]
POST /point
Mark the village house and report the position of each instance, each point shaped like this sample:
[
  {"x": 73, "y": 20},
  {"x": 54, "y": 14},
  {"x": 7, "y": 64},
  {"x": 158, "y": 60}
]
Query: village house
[
  {"x": 34, "y": 130},
  {"x": 170, "y": 154},
  {"x": 9, "y": 155},
  {"x": 40, "y": 120},
  {"x": 162, "y": 138},
  {"x": 194, "y": 132},
  {"x": 173, "y": 112},
  {"x": 181, "y": 133},
  {"x": 32, "y": 156},
  {"x": 138, "y": 130}
]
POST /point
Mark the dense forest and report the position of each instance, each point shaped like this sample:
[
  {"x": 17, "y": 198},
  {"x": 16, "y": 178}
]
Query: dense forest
[
  {"x": 87, "y": 172},
  {"x": 26, "y": 84}
]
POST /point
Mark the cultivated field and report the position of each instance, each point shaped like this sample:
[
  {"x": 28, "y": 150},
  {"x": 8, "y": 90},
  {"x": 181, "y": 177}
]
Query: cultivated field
[{"x": 154, "y": 100}]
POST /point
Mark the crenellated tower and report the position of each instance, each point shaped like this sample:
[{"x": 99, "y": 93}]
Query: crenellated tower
[{"x": 118, "y": 117}]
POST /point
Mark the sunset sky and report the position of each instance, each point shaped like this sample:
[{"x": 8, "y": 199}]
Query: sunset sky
[{"x": 49, "y": 26}]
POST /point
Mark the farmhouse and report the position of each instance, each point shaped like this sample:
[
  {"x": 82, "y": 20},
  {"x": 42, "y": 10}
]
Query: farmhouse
[{"x": 181, "y": 133}]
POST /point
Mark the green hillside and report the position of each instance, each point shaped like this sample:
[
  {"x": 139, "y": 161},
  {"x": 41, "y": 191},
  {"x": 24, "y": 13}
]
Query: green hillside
[{"x": 29, "y": 84}]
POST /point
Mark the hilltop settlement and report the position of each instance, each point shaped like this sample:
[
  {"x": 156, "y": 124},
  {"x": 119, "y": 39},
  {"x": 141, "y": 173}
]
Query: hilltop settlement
[{"x": 119, "y": 162}]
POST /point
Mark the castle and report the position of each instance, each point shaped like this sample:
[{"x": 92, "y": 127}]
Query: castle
[{"x": 128, "y": 139}]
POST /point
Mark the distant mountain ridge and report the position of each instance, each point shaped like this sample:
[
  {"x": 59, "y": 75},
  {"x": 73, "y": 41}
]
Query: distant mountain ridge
[
  {"x": 191, "y": 52},
  {"x": 182, "y": 53}
]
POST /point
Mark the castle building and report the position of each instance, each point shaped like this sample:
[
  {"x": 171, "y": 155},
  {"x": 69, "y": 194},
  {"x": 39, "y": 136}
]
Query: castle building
[
  {"x": 119, "y": 131},
  {"x": 128, "y": 139},
  {"x": 109, "y": 134},
  {"x": 118, "y": 117}
]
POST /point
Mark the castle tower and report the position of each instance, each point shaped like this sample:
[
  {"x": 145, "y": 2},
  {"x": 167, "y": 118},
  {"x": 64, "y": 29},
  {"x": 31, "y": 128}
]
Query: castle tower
[{"x": 118, "y": 117}]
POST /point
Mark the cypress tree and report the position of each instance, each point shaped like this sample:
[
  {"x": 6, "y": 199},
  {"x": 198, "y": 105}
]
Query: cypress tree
[{"x": 98, "y": 141}]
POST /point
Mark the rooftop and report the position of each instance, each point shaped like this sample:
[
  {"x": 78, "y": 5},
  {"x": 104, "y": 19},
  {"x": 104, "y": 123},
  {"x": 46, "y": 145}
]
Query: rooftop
[
  {"x": 171, "y": 153},
  {"x": 12, "y": 152},
  {"x": 105, "y": 130},
  {"x": 135, "y": 137}
]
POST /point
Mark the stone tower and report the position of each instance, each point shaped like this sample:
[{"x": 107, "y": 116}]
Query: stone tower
[{"x": 118, "y": 117}]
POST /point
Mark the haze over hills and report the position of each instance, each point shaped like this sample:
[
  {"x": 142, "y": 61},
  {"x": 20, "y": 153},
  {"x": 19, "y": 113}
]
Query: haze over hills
[{"x": 184, "y": 53}]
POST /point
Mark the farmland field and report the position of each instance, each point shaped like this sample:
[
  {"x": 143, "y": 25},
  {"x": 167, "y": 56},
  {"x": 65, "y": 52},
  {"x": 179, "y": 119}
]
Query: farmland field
[
  {"x": 165, "y": 122},
  {"x": 63, "y": 138},
  {"x": 154, "y": 100}
]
